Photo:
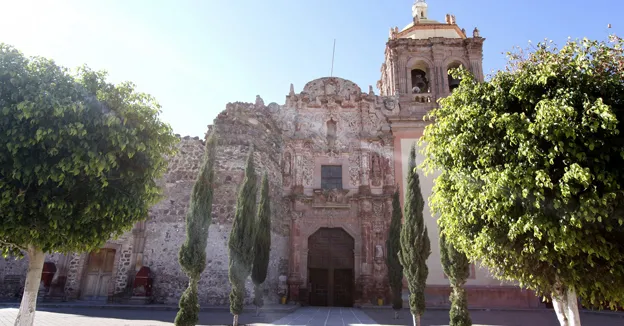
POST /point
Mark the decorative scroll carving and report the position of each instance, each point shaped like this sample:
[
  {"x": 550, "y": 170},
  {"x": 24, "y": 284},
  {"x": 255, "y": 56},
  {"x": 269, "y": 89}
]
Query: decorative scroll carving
[
  {"x": 354, "y": 169},
  {"x": 378, "y": 227},
  {"x": 308, "y": 167},
  {"x": 378, "y": 209},
  {"x": 330, "y": 197}
]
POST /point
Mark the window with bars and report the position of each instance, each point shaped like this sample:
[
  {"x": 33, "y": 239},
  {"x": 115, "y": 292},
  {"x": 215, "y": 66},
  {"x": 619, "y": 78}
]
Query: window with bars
[{"x": 331, "y": 177}]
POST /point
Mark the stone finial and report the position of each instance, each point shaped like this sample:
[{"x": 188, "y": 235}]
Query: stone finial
[
  {"x": 259, "y": 102},
  {"x": 476, "y": 33},
  {"x": 464, "y": 31},
  {"x": 292, "y": 90},
  {"x": 453, "y": 21},
  {"x": 370, "y": 90}
]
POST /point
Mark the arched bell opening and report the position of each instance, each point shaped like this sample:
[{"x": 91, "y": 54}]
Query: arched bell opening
[
  {"x": 453, "y": 82},
  {"x": 419, "y": 73}
]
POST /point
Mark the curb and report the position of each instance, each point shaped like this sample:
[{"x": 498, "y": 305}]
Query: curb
[
  {"x": 586, "y": 311},
  {"x": 151, "y": 307}
]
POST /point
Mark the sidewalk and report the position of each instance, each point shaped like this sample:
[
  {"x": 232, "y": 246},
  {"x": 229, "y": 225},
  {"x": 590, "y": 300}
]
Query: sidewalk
[{"x": 272, "y": 308}]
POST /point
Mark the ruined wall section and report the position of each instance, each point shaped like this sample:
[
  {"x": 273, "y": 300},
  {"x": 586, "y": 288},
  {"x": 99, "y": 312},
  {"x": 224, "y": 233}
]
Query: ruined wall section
[{"x": 238, "y": 127}]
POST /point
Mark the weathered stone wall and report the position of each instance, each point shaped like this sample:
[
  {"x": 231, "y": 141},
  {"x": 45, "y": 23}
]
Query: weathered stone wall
[{"x": 238, "y": 127}]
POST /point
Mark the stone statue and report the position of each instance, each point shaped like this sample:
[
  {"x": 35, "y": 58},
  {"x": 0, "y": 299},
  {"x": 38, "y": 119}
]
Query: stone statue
[
  {"x": 287, "y": 163},
  {"x": 476, "y": 33},
  {"x": 388, "y": 177},
  {"x": 378, "y": 251},
  {"x": 376, "y": 171},
  {"x": 282, "y": 286}
]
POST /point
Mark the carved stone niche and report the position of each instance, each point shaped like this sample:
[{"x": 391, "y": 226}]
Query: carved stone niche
[{"x": 330, "y": 198}]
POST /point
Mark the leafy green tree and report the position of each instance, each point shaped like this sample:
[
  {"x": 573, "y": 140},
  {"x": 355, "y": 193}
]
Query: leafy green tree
[
  {"x": 457, "y": 268},
  {"x": 79, "y": 160},
  {"x": 192, "y": 254},
  {"x": 531, "y": 172},
  {"x": 393, "y": 246},
  {"x": 263, "y": 243},
  {"x": 242, "y": 239},
  {"x": 415, "y": 245}
]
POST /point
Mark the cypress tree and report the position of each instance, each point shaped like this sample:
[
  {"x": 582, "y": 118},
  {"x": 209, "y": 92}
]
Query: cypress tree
[
  {"x": 241, "y": 242},
  {"x": 457, "y": 267},
  {"x": 263, "y": 243},
  {"x": 393, "y": 245},
  {"x": 192, "y": 255},
  {"x": 415, "y": 246}
]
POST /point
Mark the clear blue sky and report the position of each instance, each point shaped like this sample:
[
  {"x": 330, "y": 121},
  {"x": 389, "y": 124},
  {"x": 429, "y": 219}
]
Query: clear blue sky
[{"x": 196, "y": 56}]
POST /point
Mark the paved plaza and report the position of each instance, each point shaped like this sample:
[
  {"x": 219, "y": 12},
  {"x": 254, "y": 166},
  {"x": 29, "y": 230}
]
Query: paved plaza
[{"x": 312, "y": 316}]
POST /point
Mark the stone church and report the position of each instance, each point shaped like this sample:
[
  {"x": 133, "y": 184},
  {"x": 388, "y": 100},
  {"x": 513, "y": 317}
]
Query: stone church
[{"x": 334, "y": 155}]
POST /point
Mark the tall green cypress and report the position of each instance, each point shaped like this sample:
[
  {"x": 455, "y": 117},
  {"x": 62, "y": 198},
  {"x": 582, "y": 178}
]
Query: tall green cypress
[
  {"x": 415, "y": 245},
  {"x": 263, "y": 243},
  {"x": 241, "y": 242},
  {"x": 393, "y": 245},
  {"x": 457, "y": 267},
  {"x": 192, "y": 255}
]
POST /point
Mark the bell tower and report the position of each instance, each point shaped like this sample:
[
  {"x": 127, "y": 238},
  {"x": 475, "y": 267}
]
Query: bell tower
[{"x": 419, "y": 56}]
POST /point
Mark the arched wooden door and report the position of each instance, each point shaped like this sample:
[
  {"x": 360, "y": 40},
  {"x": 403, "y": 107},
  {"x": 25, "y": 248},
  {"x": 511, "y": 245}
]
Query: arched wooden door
[{"x": 330, "y": 268}]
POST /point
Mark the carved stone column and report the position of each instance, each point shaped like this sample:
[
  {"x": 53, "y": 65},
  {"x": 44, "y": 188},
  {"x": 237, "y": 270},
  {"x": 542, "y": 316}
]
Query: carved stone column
[
  {"x": 365, "y": 168},
  {"x": 403, "y": 89},
  {"x": 294, "y": 277},
  {"x": 298, "y": 187}
]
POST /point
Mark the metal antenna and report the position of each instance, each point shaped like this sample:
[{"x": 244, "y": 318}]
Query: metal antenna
[{"x": 331, "y": 74}]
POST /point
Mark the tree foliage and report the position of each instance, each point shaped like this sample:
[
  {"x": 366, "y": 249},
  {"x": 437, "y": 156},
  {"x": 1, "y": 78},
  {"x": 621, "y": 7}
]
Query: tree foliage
[
  {"x": 192, "y": 255},
  {"x": 393, "y": 245},
  {"x": 79, "y": 157},
  {"x": 263, "y": 242},
  {"x": 79, "y": 160},
  {"x": 456, "y": 266},
  {"x": 415, "y": 245},
  {"x": 242, "y": 238},
  {"x": 531, "y": 169}
]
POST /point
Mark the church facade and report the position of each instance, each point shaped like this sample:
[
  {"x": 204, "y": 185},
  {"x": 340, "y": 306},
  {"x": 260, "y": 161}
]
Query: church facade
[{"x": 334, "y": 155}]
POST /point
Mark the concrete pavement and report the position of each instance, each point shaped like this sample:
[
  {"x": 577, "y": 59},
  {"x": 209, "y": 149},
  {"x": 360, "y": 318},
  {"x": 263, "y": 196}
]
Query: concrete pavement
[{"x": 313, "y": 316}]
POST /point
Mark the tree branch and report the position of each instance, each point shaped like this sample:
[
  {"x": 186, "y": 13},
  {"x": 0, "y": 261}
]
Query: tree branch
[{"x": 8, "y": 244}]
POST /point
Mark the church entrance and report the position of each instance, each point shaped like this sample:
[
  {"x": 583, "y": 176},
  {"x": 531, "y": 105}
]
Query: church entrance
[{"x": 331, "y": 268}]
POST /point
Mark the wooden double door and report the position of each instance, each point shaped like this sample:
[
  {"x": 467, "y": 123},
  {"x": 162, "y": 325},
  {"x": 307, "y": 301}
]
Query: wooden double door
[
  {"x": 330, "y": 268},
  {"x": 99, "y": 274}
]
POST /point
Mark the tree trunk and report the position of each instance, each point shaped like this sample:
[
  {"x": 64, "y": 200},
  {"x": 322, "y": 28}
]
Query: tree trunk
[
  {"x": 416, "y": 319},
  {"x": 235, "y": 322},
  {"x": 26, "y": 315},
  {"x": 566, "y": 306}
]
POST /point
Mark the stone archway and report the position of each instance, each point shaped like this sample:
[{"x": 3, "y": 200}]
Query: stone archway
[{"x": 331, "y": 267}]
